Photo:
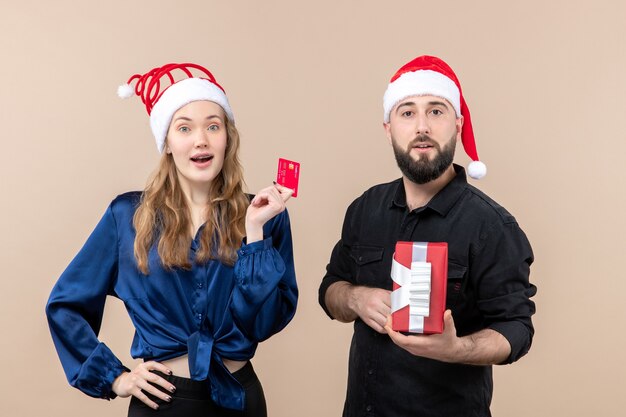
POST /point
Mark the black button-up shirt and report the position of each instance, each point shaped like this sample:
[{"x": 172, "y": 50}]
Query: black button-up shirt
[{"x": 488, "y": 266}]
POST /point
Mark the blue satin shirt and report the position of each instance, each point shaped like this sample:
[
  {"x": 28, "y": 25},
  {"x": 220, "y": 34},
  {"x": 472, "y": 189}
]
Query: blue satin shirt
[{"x": 212, "y": 311}]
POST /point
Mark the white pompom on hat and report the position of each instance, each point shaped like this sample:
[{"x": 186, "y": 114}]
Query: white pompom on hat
[
  {"x": 161, "y": 104},
  {"x": 429, "y": 75}
]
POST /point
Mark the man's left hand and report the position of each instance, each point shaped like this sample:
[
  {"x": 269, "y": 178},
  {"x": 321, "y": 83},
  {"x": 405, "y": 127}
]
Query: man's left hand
[
  {"x": 445, "y": 347},
  {"x": 485, "y": 347}
]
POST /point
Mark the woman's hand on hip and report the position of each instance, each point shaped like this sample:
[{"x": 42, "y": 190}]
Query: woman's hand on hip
[{"x": 138, "y": 380}]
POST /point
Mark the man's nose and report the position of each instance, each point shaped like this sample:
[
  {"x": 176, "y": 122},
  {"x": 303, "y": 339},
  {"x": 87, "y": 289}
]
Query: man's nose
[{"x": 423, "y": 127}]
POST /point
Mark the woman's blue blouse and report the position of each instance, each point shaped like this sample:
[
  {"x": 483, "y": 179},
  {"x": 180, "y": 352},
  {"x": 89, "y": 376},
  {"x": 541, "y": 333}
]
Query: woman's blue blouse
[{"x": 211, "y": 312}]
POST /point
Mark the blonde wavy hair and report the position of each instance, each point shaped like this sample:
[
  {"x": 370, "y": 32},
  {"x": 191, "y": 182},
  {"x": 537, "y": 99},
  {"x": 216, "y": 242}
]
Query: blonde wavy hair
[{"x": 163, "y": 214}]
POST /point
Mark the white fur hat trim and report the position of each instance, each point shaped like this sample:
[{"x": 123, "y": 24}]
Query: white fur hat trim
[
  {"x": 180, "y": 94},
  {"x": 421, "y": 83}
]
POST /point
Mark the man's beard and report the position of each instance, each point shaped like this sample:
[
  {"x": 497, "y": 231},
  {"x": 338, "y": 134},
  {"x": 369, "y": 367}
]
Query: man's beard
[{"x": 424, "y": 170}]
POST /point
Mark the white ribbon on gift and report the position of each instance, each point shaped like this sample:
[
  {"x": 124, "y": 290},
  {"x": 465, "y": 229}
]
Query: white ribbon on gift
[{"x": 415, "y": 285}]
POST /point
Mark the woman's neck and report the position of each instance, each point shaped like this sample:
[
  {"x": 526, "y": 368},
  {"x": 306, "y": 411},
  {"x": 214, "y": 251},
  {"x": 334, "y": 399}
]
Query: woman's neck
[{"x": 197, "y": 200}]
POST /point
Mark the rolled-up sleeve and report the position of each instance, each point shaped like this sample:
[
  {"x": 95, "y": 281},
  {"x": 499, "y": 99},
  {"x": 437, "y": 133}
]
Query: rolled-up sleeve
[
  {"x": 340, "y": 267},
  {"x": 501, "y": 271},
  {"x": 75, "y": 308}
]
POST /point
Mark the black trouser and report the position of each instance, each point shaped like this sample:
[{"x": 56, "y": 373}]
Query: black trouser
[{"x": 193, "y": 398}]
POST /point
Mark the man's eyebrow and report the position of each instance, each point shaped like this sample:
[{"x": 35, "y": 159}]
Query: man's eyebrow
[
  {"x": 438, "y": 102},
  {"x": 406, "y": 103}
]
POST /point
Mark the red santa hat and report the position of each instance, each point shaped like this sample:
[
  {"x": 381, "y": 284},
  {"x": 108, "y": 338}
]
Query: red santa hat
[
  {"x": 163, "y": 95},
  {"x": 429, "y": 75}
]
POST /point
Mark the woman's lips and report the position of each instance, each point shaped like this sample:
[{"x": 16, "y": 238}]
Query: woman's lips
[{"x": 202, "y": 161}]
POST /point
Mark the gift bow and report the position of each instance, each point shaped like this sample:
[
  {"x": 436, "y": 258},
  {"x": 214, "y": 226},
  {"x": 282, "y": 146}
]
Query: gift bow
[{"x": 414, "y": 287}]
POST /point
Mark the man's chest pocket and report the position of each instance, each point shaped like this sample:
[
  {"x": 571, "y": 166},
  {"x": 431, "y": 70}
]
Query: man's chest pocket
[
  {"x": 370, "y": 268},
  {"x": 456, "y": 281}
]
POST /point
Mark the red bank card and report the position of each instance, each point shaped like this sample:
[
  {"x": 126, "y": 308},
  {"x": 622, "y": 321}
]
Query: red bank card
[{"x": 288, "y": 174}]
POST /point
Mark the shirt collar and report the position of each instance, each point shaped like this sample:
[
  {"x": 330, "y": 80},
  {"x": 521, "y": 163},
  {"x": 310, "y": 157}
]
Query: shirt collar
[{"x": 443, "y": 201}]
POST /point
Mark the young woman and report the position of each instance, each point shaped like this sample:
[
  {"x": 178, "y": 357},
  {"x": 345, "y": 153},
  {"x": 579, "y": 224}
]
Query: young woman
[{"x": 204, "y": 272}]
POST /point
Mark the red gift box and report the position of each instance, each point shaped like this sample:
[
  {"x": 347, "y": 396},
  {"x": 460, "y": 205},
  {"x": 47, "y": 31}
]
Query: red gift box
[{"x": 419, "y": 273}]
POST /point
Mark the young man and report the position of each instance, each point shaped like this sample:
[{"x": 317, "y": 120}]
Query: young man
[{"x": 488, "y": 316}]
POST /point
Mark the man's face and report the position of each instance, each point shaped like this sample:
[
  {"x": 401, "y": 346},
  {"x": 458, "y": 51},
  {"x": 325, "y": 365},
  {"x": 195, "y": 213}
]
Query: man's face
[{"x": 423, "y": 131}]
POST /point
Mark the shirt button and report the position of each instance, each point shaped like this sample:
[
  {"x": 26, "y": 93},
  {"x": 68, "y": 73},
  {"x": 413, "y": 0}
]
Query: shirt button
[
  {"x": 199, "y": 285},
  {"x": 368, "y": 408},
  {"x": 199, "y": 316},
  {"x": 360, "y": 258},
  {"x": 370, "y": 372}
]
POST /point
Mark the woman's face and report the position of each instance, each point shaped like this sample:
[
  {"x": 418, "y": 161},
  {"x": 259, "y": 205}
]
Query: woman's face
[{"x": 197, "y": 141}]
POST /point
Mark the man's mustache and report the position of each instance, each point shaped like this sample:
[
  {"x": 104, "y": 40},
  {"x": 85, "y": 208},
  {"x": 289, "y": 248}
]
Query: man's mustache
[{"x": 421, "y": 139}]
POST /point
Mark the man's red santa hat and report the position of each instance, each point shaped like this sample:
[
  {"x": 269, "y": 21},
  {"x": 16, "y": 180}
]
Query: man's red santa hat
[{"x": 429, "y": 75}]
